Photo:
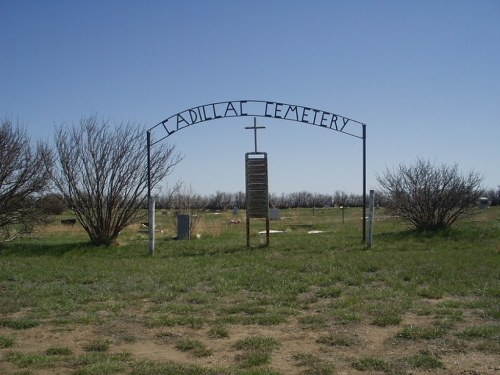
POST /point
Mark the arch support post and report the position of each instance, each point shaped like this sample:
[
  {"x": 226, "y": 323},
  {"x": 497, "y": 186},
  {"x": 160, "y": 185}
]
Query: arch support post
[
  {"x": 151, "y": 202},
  {"x": 364, "y": 183}
]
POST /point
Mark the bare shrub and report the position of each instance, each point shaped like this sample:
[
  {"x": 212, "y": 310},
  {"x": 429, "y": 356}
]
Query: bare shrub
[
  {"x": 24, "y": 176},
  {"x": 102, "y": 174},
  {"x": 429, "y": 197}
]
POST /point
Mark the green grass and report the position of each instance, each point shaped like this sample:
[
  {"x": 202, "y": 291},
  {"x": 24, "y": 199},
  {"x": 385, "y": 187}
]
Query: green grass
[
  {"x": 386, "y": 319},
  {"x": 25, "y": 360},
  {"x": 314, "y": 365},
  {"x": 337, "y": 340},
  {"x": 313, "y": 322},
  {"x": 172, "y": 321},
  {"x": 219, "y": 332},
  {"x": 196, "y": 347},
  {"x": 59, "y": 350},
  {"x": 257, "y": 351},
  {"x": 320, "y": 283},
  {"x": 171, "y": 368},
  {"x": 99, "y": 345},
  {"x": 6, "y": 342},
  {"x": 96, "y": 363},
  {"x": 258, "y": 343},
  {"x": 421, "y": 333},
  {"x": 371, "y": 364},
  {"x": 19, "y": 324},
  {"x": 480, "y": 332},
  {"x": 425, "y": 360}
]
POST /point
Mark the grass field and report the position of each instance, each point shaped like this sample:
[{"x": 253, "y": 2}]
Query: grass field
[{"x": 307, "y": 304}]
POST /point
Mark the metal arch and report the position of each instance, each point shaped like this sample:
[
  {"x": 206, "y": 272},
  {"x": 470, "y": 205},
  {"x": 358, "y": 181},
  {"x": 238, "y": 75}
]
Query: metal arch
[
  {"x": 258, "y": 108},
  {"x": 254, "y": 108}
]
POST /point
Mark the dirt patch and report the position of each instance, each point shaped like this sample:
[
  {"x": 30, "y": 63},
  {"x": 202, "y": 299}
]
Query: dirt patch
[{"x": 159, "y": 345}]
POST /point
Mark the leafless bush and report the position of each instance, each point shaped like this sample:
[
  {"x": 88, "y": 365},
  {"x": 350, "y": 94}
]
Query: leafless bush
[
  {"x": 102, "y": 174},
  {"x": 430, "y": 197},
  {"x": 24, "y": 176}
]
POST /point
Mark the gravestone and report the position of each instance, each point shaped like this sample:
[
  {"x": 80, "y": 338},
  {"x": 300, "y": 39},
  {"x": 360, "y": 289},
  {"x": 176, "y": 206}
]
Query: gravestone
[
  {"x": 183, "y": 227},
  {"x": 484, "y": 202},
  {"x": 274, "y": 214}
]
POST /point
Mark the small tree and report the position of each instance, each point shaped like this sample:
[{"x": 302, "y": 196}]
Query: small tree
[
  {"x": 430, "y": 197},
  {"x": 24, "y": 176},
  {"x": 102, "y": 174}
]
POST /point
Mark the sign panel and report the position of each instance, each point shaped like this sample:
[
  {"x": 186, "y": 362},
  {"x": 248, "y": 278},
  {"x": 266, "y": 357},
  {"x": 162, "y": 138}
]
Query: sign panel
[{"x": 257, "y": 191}]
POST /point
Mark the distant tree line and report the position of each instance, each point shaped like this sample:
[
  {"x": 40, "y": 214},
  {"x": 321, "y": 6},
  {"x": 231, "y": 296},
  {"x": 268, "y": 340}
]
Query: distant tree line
[{"x": 223, "y": 200}]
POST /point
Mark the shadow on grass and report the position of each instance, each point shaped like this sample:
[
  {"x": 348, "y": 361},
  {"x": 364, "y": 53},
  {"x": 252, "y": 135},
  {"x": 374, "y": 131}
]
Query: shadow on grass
[
  {"x": 409, "y": 234},
  {"x": 164, "y": 249},
  {"x": 445, "y": 239},
  {"x": 197, "y": 248},
  {"x": 32, "y": 248}
]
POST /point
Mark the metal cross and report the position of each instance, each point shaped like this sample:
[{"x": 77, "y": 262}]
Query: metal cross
[{"x": 255, "y": 127}]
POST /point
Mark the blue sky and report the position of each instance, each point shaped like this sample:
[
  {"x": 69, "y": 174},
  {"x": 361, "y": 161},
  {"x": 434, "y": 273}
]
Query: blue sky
[{"x": 423, "y": 75}]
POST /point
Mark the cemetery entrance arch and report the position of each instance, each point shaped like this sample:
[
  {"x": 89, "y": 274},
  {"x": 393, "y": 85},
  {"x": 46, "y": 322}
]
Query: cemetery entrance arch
[{"x": 254, "y": 108}]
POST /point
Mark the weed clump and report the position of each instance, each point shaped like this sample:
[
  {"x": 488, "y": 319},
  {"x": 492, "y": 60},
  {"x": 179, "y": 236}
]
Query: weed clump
[
  {"x": 258, "y": 350},
  {"x": 98, "y": 346},
  {"x": 6, "y": 342},
  {"x": 196, "y": 347}
]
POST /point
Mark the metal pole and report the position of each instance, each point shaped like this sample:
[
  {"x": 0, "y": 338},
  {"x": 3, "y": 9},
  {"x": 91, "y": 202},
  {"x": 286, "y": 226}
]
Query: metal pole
[
  {"x": 267, "y": 230},
  {"x": 371, "y": 219},
  {"x": 248, "y": 228},
  {"x": 151, "y": 203},
  {"x": 364, "y": 183},
  {"x": 255, "y": 132}
]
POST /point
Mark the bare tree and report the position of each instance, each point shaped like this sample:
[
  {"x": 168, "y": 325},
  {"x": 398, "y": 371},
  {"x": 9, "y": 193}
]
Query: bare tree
[
  {"x": 219, "y": 201},
  {"x": 24, "y": 176},
  {"x": 430, "y": 197},
  {"x": 102, "y": 174},
  {"x": 300, "y": 199},
  {"x": 239, "y": 199},
  {"x": 185, "y": 201}
]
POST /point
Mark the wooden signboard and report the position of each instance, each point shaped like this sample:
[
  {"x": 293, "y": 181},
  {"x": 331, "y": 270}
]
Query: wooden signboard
[{"x": 257, "y": 190}]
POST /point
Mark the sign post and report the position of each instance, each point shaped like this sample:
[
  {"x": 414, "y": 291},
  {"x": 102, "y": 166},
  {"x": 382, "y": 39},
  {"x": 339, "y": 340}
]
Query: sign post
[
  {"x": 257, "y": 189},
  {"x": 151, "y": 201}
]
